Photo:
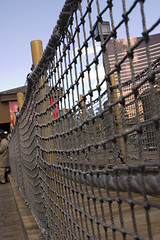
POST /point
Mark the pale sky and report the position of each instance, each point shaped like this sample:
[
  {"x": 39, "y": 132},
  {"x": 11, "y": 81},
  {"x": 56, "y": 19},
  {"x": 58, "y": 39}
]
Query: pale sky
[{"x": 22, "y": 21}]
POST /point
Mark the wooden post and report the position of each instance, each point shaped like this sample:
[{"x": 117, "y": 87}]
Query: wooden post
[
  {"x": 116, "y": 107},
  {"x": 36, "y": 49},
  {"x": 118, "y": 118},
  {"x": 20, "y": 99},
  {"x": 83, "y": 107},
  {"x": 14, "y": 118},
  {"x": 11, "y": 127}
]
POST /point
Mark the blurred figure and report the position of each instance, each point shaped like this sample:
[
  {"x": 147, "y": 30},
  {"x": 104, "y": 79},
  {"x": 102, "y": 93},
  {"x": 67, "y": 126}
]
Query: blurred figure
[{"x": 4, "y": 158}]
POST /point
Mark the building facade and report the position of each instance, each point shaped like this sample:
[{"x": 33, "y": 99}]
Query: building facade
[
  {"x": 136, "y": 70},
  {"x": 9, "y": 105}
]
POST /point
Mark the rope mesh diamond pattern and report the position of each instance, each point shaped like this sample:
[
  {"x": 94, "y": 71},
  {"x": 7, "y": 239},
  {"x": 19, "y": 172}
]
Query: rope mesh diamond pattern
[{"x": 85, "y": 148}]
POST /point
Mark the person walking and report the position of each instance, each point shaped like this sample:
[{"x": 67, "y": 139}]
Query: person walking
[{"x": 4, "y": 157}]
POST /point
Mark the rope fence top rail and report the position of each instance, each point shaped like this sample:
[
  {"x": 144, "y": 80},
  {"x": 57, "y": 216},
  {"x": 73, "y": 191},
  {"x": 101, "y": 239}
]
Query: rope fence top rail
[{"x": 85, "y": 148}]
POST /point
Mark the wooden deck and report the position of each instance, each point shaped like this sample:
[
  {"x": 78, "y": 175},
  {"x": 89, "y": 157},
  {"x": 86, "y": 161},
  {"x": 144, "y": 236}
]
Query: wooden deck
[
  {"x": 16, "y": 220},
  {"x": 95, "y": 210}
]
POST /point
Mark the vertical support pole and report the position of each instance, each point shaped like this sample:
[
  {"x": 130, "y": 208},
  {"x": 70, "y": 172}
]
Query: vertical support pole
[
  {"x": 20, "y": 99},
  {"x": 36, "y": 49},
  {"x": 83, "y": 117},
  {"x": 118, "y": 118},
  {"x": 11, "y": 127},
  {"x": 116, "y": 107},
  {"x": 63, "y": 110},
  {"x": 83, "y": 107},
  {"x": 14, "y": 118}
]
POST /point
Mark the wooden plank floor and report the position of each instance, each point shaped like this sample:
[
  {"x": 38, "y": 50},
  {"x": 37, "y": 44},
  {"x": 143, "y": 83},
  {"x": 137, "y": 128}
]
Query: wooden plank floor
[
  {"x": 80, "y": 209},
  {"x": 12, "y": 228},
  {"x": 16, "y": 220}
]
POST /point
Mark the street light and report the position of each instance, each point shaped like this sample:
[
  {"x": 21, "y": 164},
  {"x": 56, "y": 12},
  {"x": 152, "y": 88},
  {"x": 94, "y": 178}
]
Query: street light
[
  {"x": 103, "y": 29},
  {"x": 105, "y": 26}
]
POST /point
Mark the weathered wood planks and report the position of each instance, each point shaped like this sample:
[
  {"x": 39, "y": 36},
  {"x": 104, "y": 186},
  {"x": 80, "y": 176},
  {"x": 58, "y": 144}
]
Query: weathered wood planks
[{"x": 16, "y": 220}]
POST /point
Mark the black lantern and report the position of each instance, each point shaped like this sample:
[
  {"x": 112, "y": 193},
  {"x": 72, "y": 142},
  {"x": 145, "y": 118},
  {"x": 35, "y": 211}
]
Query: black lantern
[{"x": 105, "y": 30}]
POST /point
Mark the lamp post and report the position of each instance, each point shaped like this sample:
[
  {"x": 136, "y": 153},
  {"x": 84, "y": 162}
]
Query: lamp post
[
  {"x": 101, "y": 32},
  {"x": 105, "y": 26}
]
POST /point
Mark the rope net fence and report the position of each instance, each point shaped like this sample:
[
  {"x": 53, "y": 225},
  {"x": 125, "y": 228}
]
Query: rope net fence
[{"x": 85, "y": 147}]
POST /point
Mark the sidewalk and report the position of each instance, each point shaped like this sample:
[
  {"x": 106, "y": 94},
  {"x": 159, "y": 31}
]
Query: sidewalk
[{"x": 16, "y": 220}]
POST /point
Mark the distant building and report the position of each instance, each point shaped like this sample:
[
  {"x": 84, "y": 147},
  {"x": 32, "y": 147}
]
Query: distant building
[
  {"x": 147, "y": 110},
  {"x": 139, "y": 63},
  {"x": 8, "y": 105},
  {"x": 136, "y": 69}
]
